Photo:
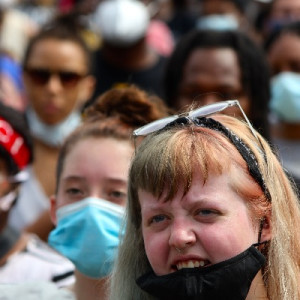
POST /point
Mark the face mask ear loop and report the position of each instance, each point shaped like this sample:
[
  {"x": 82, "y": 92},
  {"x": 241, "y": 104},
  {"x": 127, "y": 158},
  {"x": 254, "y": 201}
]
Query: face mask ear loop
[
  {"x": 262, "y": 221},
  {"x": 261, "y": 225}
]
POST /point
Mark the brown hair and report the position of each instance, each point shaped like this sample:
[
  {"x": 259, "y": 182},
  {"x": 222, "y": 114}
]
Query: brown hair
[{"x": 114, "y": 114}]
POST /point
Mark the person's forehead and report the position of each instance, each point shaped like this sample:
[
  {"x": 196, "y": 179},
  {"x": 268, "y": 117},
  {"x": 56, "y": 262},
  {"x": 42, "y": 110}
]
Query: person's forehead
[
  {"x": 212, "y": 58},
  {"x": 87, "y": 154},
  {"x": 215, "y": 62},
  {"x": 53, "y": 51}
]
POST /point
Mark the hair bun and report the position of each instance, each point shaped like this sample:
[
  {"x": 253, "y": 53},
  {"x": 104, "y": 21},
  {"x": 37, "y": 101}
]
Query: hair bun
[{"x": 133, "y": 106}]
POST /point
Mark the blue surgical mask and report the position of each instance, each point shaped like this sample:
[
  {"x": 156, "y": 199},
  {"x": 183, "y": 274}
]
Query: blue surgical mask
[
  {"x": 52, "y": 135},
  {"x": 285, "y": 97},
  {"x": 218, "y": 22},
  {"x": 88, "y": 233}
]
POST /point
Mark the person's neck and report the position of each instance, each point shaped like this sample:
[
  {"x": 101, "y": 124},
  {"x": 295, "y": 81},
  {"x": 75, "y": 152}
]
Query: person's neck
[
  {"x": 257, "y": 289},
  {"x": 45, "y": 158},
  {"x": 86, "y": 288},
  {"x": 288, "y": 131},
  {"x": 136, "y": 57}
]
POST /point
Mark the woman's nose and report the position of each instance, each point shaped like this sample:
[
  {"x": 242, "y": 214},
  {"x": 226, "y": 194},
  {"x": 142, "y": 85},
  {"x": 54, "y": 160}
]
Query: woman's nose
[{"x": 182, "y": 235}]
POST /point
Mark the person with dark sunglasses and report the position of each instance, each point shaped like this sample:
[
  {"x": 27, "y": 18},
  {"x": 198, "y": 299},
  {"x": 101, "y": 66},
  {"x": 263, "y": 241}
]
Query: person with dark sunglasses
[
  {"x": 56, "y": 73},
  {"x": 211, "y": 213}
]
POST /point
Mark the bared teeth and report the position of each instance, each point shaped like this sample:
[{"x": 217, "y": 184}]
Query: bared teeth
[{"x": 190, "y": 264}]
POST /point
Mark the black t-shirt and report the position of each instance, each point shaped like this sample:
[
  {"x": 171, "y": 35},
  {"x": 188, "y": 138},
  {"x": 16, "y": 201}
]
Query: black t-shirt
[{"x": 108, "y": 76}]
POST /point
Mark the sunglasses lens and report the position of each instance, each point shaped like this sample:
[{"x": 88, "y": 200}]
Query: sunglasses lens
[
  {"x": 42, "y": 76},
  {"x": 69, "y": 78},
  {"x": 38, "y": 76},
  {"x": 211, "y": 109},
  {"x": 154, "y": 126},
  {"x": 200, "y": 112}
]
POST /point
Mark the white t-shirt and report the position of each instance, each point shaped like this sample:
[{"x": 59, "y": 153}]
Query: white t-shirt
[
  {"x": 38, "y": 262},
  {"x": 34, "y": 291},
  {"x": 31, "y": 203}
]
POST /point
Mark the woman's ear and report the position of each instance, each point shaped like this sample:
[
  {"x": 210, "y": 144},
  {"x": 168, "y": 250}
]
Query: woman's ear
[
  {"x": 266, "y": 229},
  {"x": 53, "y": 209}
]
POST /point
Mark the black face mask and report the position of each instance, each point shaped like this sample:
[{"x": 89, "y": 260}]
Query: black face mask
[{"x": 229, "y": 279}]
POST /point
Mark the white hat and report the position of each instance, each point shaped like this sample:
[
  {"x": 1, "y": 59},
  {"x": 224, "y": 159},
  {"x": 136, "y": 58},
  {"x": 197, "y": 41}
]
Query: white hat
[{"x": 122, "y": 22}]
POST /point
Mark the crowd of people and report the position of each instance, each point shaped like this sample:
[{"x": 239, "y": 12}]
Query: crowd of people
[{"x": 150, "y": 149}]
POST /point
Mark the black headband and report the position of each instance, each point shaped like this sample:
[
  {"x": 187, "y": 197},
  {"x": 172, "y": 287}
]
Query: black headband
[{"x": 243, "y": 149}]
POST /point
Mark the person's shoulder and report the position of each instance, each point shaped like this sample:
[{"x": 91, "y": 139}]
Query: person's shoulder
[
  {"x": 34, "y": 291},
  {"x": 43, "y": 251},
  {"x": 38, "y": 261}
]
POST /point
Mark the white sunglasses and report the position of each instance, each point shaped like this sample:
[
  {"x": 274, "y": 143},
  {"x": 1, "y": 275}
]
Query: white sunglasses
[{"x": 203, "y": 111}]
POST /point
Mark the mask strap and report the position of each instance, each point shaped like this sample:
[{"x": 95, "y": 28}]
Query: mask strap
[
  {"x": 243, "y": 149},
  {"x": 262, "y": 221},
  {"x": 259, "y": 243}
]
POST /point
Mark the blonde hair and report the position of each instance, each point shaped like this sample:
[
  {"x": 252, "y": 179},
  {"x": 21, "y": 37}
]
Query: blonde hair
[{"x": 168, "y": 159}]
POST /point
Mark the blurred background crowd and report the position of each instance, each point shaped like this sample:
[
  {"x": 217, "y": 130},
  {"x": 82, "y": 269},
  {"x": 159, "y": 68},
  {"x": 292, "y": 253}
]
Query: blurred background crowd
[{"x": 57, "y": 57}]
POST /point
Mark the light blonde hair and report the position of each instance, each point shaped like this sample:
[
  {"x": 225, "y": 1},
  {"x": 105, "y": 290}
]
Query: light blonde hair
[{"x": 168, "y": 159}]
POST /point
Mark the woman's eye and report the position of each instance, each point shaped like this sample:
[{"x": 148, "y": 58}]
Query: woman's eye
[
  {"x": 118, "y": 194},
  {"x": 74, "y": 191},
  {"x": 206, "y": 214},
  {"x": 158, "y": 219}
]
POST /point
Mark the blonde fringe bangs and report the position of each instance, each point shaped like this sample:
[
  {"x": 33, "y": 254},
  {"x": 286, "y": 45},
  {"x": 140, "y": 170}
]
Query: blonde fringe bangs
[{"x": 176, "y": 156}]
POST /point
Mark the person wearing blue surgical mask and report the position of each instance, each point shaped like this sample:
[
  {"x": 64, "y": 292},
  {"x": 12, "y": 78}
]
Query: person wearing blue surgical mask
[
  {"x": 283, "y": 50},
  {"x": 88, "y": 206},
  {"x": 225, "y": 15}
]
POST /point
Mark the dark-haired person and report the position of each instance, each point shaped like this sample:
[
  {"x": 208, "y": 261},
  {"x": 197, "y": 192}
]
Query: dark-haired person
[
  {"x": 283, "y": 52},
  {"x": 91, "y": 187},
  {"x": 208, "y": 66},
  {"x": 56, "y": 72},
  {"x": 23, "y": 256},
  {"x": 125, "y": 56}
]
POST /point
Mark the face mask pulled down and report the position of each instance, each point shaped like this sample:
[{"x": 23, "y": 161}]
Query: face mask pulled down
[
  {"x": 52, "y": 135},
  {"x": 230, "y": 279},
  {"x": 88, "y": 234}
]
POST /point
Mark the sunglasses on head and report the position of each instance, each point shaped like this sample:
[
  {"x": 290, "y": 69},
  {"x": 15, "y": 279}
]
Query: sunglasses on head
[
  {"x": 42, "y": 76},
  {"x": 199, "y": 118},
  {"x": 200, "y": 112}
]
